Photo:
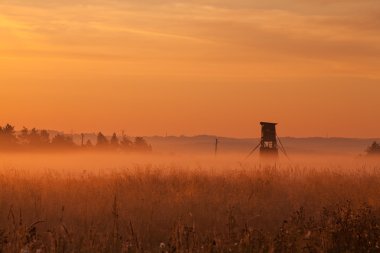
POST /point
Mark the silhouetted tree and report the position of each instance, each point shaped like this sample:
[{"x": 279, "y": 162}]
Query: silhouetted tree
[
  {"x": 62, "y": 141},
  {"x": 374, "y": 148},
  {"x": 8, "y": 130},
  {"x": 114, "y": 141},
  {"x": 36, "y": 138},
  {"x": 126, "y": 143},
  {"x": 33, "y": 137},
  {"x": 23, "y": 136},
  {"x": 141, "y": 145},
  {"x": 101, "y": 140},
  {"x": 8, "y": 138},
  {"x": 44, "y": 137}
]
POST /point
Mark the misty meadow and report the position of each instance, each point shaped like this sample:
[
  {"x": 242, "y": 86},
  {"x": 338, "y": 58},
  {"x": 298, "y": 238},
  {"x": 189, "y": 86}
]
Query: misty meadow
[
  {"x": 199, "y": 126},
  {"x": 163, "y": 204}
]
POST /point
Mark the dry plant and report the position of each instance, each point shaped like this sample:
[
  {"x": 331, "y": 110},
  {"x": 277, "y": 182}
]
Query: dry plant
[{"x": 163, "y": 209}]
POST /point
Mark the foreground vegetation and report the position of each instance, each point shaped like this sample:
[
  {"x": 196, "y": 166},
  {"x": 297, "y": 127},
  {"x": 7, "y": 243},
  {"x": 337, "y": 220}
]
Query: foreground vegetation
[{"x": 148, "y": 209}]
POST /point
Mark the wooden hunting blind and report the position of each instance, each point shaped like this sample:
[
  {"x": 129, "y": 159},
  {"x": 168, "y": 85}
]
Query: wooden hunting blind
[{"x": 268, "y": 143}]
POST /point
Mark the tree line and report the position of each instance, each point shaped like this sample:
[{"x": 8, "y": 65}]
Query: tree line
[{"x": 34, "y": 139}]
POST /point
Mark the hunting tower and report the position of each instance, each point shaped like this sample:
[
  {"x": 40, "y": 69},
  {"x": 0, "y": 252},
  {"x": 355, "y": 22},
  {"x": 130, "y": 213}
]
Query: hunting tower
[{"x": 268, "y": 143}]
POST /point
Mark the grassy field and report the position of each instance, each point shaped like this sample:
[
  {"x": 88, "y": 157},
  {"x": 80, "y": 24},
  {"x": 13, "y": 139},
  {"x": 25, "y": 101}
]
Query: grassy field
[{"x": 199, "y": 207}]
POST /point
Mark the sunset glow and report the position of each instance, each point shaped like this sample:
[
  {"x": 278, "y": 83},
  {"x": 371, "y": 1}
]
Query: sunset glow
[
  {"x": 191, "y": 67},
  {"x": 173, "y": 126}
]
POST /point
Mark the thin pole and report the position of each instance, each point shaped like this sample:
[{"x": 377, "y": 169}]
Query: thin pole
[
  {"x": 82, "y": 139},
  {"x": 216, "y": 146}
]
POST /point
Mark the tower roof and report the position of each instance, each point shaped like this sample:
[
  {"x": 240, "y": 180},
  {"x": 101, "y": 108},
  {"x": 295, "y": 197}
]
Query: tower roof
[{"x": 267, "y": 123}]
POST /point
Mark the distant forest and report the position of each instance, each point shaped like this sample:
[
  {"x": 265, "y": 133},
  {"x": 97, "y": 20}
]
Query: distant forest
[{"x": 34, "y": 140}]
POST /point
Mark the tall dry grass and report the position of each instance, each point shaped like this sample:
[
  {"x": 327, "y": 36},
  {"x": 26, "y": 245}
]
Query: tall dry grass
[{"x": 166, "y": 208}]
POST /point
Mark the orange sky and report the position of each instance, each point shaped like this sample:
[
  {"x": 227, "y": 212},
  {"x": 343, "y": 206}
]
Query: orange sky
[{"x": 192, "y": 67}]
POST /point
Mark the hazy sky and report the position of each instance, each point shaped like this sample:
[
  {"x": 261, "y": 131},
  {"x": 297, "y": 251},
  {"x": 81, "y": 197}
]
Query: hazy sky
[{"x": 192, "y": 67}]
